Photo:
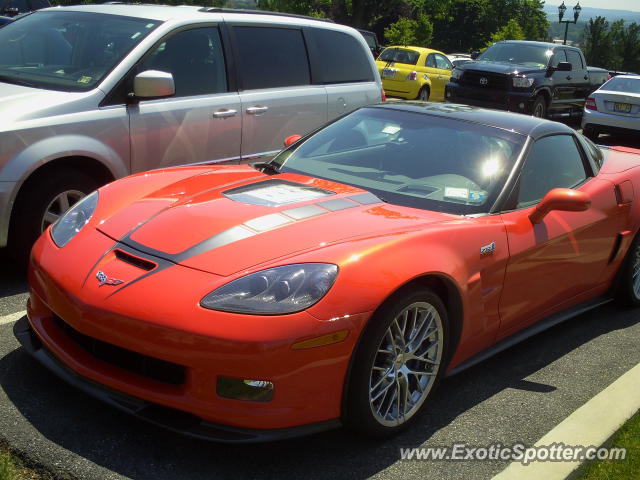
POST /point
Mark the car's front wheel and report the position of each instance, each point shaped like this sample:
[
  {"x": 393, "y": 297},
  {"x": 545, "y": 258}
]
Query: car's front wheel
[
  {"x": 423, "y": 94},
  {"x": 628, "y": 288},
  {"x": 398, "y": 362}
]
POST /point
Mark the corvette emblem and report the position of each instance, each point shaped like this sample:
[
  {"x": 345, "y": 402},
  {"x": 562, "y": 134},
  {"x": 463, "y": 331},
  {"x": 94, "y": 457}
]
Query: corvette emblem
[
  {"x": 487, "y": 249},
  {"x": 104, "y": 280},
  {"x": 484, "y": 81}
]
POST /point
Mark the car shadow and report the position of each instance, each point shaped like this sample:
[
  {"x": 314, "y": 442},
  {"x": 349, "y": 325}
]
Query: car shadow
[{"x": 125, "y": 445}]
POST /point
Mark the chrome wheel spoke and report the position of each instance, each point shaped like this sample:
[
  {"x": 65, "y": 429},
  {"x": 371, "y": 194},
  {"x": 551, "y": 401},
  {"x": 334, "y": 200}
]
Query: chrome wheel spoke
[{"x": 59, "y": 205}]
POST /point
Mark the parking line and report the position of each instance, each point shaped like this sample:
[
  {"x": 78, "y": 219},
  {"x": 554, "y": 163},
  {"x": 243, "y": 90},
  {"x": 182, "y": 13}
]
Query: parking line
[
  {"x": 13, "y": 317},
  {"x": 591, "y": 424}
]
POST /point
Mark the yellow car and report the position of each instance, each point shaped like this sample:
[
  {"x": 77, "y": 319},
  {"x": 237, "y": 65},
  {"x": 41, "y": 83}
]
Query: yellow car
[{"x": 414, "y": 72}]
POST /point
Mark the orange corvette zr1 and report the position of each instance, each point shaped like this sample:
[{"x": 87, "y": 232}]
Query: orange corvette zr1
[{"x": 339, "y": 282}]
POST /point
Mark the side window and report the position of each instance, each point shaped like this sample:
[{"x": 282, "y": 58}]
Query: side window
[
  {"x": 431, "y": 61},
  {"x": 552, "y": 162},
  {"x": 575, "y": 60},
  {"x": 443, "y": 62},
  {"x": 194, "y": 58},
  {"x": 558, "y": 56},
  {"x": 272, "y": 57},
  {"x": 343, "y": 58}
]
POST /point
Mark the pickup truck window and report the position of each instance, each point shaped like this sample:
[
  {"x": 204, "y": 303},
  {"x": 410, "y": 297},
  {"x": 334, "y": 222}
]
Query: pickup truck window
[
  {"x": 558, "y": 56},
  {"x": 575, "y": 59},
  {"x": 528, "y": 55},
  {"x": 67, "y": 51}
]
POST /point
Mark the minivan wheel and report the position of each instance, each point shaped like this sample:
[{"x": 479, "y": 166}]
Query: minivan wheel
[
  {"x": 399, "y": 361},
  {"x": 423, "y": 94},
  {"x": 46, "y": 199},
  {"x": 628, "y": 288}
]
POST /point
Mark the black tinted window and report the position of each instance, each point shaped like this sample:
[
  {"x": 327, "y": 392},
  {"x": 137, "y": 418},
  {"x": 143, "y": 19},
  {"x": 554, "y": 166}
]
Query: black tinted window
[
  {"x": 194, "y": 58},
  {"x": 272, "y": 57},
  {"x": 558, "y": 56},
  {"x": 400, "y": 55},
  {"x": 553, "y": 162},
  {"x": 342, "y": 57},
  {"x": 574, "y": 59}
]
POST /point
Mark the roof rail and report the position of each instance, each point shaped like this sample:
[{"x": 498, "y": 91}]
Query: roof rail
[{"x": 260, "y": 12}]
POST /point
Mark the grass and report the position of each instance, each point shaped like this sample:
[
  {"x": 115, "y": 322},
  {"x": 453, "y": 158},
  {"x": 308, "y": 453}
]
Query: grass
[
  {"x": 12, "y": 468},
  {"x": 629, "y": 469}
]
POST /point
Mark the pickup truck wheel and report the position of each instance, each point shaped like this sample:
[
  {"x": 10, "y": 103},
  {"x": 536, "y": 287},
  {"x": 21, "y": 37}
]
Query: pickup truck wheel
[
  {"x": 423, "y": 94},
  {"x": 539, "y": 108},
  {"x": 46, "y": 199}
]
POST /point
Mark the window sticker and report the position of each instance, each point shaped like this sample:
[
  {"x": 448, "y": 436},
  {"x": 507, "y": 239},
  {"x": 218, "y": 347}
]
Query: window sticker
[
  {"x": 477, "y": 197},
  {"x": 391, "y": 129},
  {"x": 84, "y": 79},
  {"x": 454, "y": 192},
  {"x": 135, "y": 35}
]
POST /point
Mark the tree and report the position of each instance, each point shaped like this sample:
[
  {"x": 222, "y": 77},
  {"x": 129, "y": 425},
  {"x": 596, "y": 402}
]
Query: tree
[
  {"x": 511, "y": 31},
  {"x": 401, "y": 32},
  {"x": 598, "y": 45}
]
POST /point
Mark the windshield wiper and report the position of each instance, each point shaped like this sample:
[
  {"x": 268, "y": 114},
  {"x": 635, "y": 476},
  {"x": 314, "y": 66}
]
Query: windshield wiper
[
  {"x": 6, "y": 79},
  {"x": 266, "y": 167}
]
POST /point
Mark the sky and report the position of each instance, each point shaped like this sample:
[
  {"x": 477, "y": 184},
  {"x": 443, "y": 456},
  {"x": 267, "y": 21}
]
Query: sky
[{"x": 633, "y": 5}]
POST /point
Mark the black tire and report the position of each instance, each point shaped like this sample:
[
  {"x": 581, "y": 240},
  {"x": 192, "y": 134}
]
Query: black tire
[
  {"x": 626, "y": 294},
  {"x": 591, "y": 133},
  {"x": 539, "y": 107},
  {"x": 28, "y": 217},
  {"x": 359, "y": 413},
  {"x": 423, "y": 94}
]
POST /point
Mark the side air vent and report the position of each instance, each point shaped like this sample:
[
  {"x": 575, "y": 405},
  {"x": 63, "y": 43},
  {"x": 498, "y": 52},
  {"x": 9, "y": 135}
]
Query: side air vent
[{"x": 135, "y": 261}]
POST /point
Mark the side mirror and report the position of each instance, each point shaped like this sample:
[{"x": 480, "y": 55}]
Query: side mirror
[
  {"x": 291, "y": 139},
  {"x": 153, "y": 84},
  {"x": 563, "y": 199},
  {"x": 564, "y": 67},
  {"x": 475, "y": 55}
]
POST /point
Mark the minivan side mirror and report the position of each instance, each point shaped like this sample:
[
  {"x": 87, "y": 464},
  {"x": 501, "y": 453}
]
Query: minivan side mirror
[
  {"x": 153, "y": 84},
  {"x": 563, "y": 199},
  {"x": 475, "y": 55}
]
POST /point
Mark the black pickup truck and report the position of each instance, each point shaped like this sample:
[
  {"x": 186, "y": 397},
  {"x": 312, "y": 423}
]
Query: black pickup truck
[
  {"x": 537, "y": 78},
  {"x": 10, "y": 8}
]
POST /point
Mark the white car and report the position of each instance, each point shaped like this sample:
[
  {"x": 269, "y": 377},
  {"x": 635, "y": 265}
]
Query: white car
[
  {"x": 459, "y": 58},
  {"x": 613, "y": 108}
]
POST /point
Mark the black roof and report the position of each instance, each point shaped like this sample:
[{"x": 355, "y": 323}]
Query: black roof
[{"x": 514, "y": 122}]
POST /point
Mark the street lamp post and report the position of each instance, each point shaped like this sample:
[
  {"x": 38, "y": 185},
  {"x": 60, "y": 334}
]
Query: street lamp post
[{"x": 576, "y": 14}]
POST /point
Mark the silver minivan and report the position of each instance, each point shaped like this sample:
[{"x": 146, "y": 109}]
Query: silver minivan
[{"x": 92, "y": 93}]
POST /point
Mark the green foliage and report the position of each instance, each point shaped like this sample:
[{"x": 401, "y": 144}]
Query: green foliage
[
  {"x": 401, "y": 32},
  {"x": 598, "y": 43},
  {"x": 511, "y": 31}
]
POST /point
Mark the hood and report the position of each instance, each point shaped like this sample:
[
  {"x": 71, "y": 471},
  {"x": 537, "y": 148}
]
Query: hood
[
  {"x": 497, "y": 67},
  {"x": 223, "y": 226},
  {"x": 18, "y": 103}
]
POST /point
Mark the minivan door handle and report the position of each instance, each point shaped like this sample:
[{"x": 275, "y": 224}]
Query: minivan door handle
[
  {"x": 257, "y": 109},
  {"x": 225, "y": 113}
]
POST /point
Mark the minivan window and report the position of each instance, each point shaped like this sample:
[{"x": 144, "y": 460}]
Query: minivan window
[
  {"x": 271, "y": 57},
  {"x": 342, "y": 59},
  {"x": 194, "y": 58},
  {"x": 68, "y": 51}
]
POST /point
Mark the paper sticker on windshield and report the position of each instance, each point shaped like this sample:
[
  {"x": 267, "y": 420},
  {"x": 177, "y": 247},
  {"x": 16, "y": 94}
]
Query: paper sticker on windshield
[
  {"x": 454, "y": 192},
  {"x": 135, "y": 35},
  {"x": 391, "y": 129},
  {"x": 477, "y": 197},
  {"x": 149, "y": 25},
  {"x": 84, "y": 79}
]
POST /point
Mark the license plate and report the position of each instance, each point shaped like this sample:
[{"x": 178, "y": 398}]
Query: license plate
[
  {"x": 622, "y": 107},
  {"x": 388, "y": 72}
]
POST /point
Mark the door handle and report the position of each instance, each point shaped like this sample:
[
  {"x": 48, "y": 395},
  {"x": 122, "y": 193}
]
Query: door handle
[
  {"x": 224, "y": 113},
  {"x": 586, "y": 77},
  {"x": 569, "y": 77},
  {"x": 257, "y": 109}
]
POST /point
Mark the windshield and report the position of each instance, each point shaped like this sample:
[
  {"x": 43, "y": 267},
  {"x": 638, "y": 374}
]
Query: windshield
[
  {"x": 535, "y": 56},
  {"x": 626, "y": 85},
  {"x": 400, "y": 55},
  {"x": 68, "y": 51},
  {"x": 409, "y": 158}
]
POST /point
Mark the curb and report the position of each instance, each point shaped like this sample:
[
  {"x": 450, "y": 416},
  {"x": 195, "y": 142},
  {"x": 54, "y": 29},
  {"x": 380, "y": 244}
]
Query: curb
[{"x": 590, "y": 425}]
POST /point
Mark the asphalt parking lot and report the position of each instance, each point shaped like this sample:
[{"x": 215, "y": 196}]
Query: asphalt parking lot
[{"x": 517, "y": 396}]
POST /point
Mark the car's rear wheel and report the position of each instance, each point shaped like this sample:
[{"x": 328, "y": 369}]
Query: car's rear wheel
[
  {"x": 46, "y": 199},
  {"x": 591, "y": 133},
  {"x": 628, "y": 288},
  {"x": 423, "y": 94},
  {"x": 398, "y": 362},
  {"x": 539, "y": 107}
]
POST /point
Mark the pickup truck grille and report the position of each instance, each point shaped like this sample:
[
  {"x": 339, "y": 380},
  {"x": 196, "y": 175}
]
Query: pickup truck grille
[{"x": 473, "y": 78}]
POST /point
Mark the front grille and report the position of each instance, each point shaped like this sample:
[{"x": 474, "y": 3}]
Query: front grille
[
  {"x": 472, "y": 78},
  {"x": 143, "y": 365}
]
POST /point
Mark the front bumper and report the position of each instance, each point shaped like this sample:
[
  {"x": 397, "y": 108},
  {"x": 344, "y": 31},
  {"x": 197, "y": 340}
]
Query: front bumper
[
  {"x": 159, "y": 317},
  {"x": 610, "y": 123},
  {"x": 512, "y": 101}
]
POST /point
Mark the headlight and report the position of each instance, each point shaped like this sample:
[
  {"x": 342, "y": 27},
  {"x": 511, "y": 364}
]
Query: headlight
[
  {"x": 522, "y": 82},
  {"x": 286, "y": 289},
  {"x": 456, "y": 73},
  {"x": 74, "y": 220}
]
